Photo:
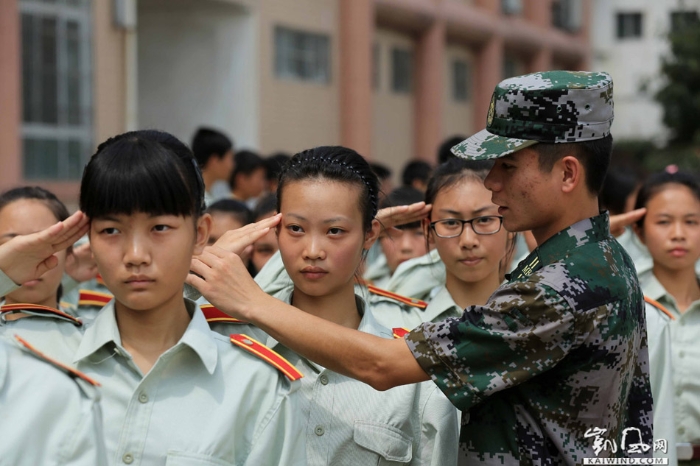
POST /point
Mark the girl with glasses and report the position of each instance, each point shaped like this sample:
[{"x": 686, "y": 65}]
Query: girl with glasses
[{"x": 466, "y": 231}]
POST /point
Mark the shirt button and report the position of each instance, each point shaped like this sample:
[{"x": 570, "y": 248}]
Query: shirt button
[
  {"x": 319, "y": 430},
  {"x": 679, "y": 392},
  {"x": 128, "y": 458},
  {"x": 681, "y": 430},
  {"x": 143, "y": 398},
  {"x": 681, "y": 354},
  {"x": 324, "y": 379}
]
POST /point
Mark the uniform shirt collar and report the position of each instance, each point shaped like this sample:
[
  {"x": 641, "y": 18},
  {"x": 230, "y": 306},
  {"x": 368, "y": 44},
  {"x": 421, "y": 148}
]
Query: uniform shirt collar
[
  {"x": 368, "y": 323},
  {"x": 652, "y": 288},
  {"x": 590, "y": 230},
  {"x": 439, "y": 304},
  {"x": 104, "y": 331}
]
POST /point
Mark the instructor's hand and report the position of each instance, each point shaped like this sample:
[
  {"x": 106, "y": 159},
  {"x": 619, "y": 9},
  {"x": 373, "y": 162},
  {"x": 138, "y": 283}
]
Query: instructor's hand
[
  {"x": 224, "y": 281},
  {"x": 27, "y": 257}
]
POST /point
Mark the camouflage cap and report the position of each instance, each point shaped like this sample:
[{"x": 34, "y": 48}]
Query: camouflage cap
[{"x": 550, "y": 106}]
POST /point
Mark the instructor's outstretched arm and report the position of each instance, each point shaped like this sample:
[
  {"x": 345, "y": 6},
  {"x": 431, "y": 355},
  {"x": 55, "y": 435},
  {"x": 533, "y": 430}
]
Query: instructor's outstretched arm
[{"x": 382, "y": 363}]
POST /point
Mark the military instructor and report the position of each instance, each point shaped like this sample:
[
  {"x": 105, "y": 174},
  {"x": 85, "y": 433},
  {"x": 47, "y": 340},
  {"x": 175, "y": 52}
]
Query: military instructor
[{"x": 559, "y": 350}]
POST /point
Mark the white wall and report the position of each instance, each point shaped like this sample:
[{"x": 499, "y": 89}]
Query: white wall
[
  {"x": 635, "y": 63},
  {"x": 197, "y": 66}
]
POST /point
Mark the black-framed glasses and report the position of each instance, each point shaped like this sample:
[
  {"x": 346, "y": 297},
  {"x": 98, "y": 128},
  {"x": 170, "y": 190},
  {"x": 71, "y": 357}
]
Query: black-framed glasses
[{"x": 453, "y": 227}]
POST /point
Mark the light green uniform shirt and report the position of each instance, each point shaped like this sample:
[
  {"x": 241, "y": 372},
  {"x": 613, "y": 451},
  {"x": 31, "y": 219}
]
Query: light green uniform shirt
[
  {"x": 6, "y": 284},
  {"x": 392, "y": 314},
  {"x": 685, "y": 332},
  {"x": 416, "y": 277},
  {"x": 661, "y": 379},
  {"x": 378, "y": 273},
  {"x": 350, "y": 423},
  {"x": 48, "y": 417},
  {"x": 204, "y": 402}
]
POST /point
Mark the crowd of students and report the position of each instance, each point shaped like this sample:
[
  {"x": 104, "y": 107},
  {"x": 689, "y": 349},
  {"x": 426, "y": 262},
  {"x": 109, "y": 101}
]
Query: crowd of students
[{"x": 166, "y": 380}]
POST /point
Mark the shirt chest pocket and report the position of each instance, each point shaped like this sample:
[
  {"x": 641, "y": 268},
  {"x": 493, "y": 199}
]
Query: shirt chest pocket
[{"x": 389, "y": 443}]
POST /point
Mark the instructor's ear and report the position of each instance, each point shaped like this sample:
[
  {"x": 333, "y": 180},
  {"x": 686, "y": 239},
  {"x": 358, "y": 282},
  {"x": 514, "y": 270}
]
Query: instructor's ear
[{"x": 572, "y": 173}]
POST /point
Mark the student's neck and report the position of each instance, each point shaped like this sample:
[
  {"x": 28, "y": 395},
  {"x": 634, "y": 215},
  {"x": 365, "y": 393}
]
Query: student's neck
[
  {"x": 209, "y": 180},
  {"x": 681, "y": 284},
  {"x": 339, "y": 308},
  {"x": 467, "y": 294},
  {"x": 48, "y": 302},
  {"x": 148, "y": 334},
  {"x": 239, "y": 194}
]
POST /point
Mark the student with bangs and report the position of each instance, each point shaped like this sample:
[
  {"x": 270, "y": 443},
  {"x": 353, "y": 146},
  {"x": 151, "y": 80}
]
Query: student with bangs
[
  {"x": 173, "y": 392},
  {"x": 327, "y": 198}
]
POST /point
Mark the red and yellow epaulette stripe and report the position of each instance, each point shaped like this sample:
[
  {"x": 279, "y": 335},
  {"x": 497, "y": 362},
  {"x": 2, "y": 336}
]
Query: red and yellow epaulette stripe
[
  {"x": 212, "y": 314},
  {"x": 400, "y": 332},
  {"x": 100, "y": 280},
  {"x": 72, "y": 372},
  {"x": 660, "y": 307},
  {"x": 403, "y": 299},
  {"x": 93, "y": 298},
  {"x": 255, "y": 347},
  {"x": 19, "y": 307}
]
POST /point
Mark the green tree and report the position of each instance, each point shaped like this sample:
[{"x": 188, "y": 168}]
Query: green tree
[{"x": 680, "y": 96}]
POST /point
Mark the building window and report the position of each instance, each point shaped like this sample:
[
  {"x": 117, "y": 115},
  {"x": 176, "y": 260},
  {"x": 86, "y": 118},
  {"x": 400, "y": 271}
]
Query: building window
[
  {"x": 56, "y": 88},
  {"x": 511, "y": 7},
  {"x": 681, "y": 20},
  {"x": 401, "y": 70},
  {"x": 510, "y": 67},
  {"x": 302, "y": 55},
  {"x": 629, "y": 25},
  {"x": 460, "y": 80},
  {"x": 567, "y": 14}
]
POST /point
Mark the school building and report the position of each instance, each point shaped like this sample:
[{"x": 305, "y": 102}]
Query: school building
[{"x": 389, "y": 78}]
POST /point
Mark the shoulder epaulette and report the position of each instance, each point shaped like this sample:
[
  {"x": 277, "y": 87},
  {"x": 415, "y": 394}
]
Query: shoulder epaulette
[
  {"x": 94, "y": 298},
  {"x": 660, "y": 307},
  {"x": 400, "y": 332},
  {"x": 263, "y": 352},
  {"x": 212, "y": 314},
  {"x": 71, "y": 371},
  {"x": 40, "y": 310},
  {"x": 402, "y": 299},
  {"x": 100, "y": 280}
]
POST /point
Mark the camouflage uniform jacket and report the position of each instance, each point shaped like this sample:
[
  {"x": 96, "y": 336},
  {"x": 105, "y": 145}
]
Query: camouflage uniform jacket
[{"x": 559, "y": 349}]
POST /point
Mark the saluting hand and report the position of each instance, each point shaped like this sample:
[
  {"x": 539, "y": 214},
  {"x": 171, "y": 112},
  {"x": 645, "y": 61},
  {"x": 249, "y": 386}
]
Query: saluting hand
[
  {"x": 620, "y": 221},
  {"x": 390, "y": 217},
  {"x": 27, "y": 257},
  {"x": 220, "y": 275},
  {"x": 80, "y": 264}
]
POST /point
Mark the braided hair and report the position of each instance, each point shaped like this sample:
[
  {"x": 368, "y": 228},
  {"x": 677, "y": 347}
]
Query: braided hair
[{"x": 334, "y": 163}]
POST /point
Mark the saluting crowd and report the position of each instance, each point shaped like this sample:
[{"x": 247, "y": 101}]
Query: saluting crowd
[{"x": 523, "y": 300}]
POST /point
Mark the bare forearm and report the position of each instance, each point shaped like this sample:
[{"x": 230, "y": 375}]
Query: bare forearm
[{"x": 379, "y": 362}]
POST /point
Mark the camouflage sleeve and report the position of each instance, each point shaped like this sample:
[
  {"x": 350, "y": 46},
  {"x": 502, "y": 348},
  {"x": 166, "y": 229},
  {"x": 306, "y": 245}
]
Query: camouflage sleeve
[{"x": 525, "y": 329}]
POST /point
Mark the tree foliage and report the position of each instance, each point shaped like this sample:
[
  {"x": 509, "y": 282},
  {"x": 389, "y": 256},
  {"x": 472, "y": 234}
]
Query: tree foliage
[{"x": 680, "y": 96}]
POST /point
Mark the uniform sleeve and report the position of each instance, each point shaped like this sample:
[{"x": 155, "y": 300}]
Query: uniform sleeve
[
  {"x": 661, "y": 378},
  {"x": 439, "y": 440},
  {"x": 525, "y": 329},
  {"x": 6, "y": 284},
  {"x": 280, "y": 440},
  {"x": 60, "y": 425}
]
